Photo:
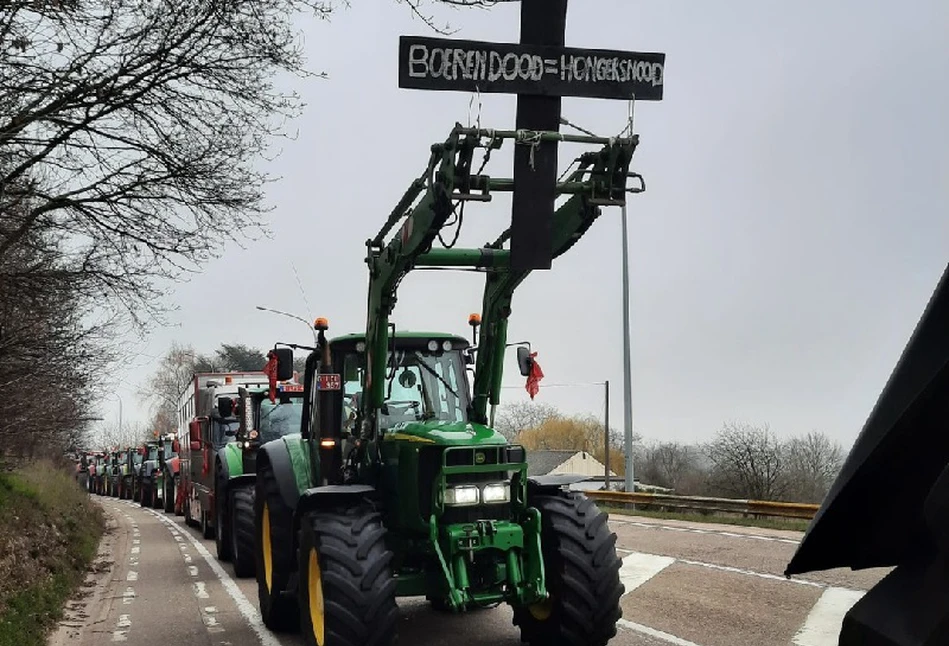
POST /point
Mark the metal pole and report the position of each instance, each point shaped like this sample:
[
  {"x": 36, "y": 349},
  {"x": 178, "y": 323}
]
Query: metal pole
[
  {"x": 627, "y": 373},
  {"x": 606, "y": 424}
]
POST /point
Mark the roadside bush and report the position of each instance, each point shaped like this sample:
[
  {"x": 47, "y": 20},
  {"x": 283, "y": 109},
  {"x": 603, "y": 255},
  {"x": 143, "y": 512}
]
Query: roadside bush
[{"x": 49, "y": 533}]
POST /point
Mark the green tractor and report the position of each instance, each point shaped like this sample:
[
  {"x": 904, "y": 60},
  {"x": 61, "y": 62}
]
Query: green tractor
[
  {"x": 264, "y": 414},
  {"x": 397, "y": 484}
]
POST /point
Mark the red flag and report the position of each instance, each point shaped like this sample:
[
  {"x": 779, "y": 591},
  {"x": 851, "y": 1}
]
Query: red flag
[
  {"x": 533, "y": 379},
  {"x": 271, "y": 371}
]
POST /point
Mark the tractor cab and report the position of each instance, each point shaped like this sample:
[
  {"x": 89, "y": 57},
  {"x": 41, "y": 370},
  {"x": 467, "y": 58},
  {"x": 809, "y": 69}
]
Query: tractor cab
[{"x": 264, "y": 418}]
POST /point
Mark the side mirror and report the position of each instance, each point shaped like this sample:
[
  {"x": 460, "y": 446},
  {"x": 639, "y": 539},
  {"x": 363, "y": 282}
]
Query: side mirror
[
  {"x": 284, "y": 363},
  {"x": 194, "y": 432},
  {"x": 524, "y": 360},
  {"x": 225, "y": 406}
]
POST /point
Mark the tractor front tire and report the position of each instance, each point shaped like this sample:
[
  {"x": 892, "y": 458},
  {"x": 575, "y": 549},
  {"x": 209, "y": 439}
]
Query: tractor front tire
[
  {"x": 347, "y": 591},
  {"x": 273, "y": 553},
  {"x": 582, "y": 570},
  {"x": 145, "y": 496},
  {"x": 241, "y": 531}
]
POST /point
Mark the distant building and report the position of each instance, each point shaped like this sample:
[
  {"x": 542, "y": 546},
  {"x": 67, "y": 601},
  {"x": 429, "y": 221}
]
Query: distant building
[{"x": 542, "y": 463}]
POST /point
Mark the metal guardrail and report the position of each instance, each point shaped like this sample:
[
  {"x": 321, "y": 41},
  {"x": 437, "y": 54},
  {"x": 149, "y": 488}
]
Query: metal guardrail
[{"x": 746, "y": 508}]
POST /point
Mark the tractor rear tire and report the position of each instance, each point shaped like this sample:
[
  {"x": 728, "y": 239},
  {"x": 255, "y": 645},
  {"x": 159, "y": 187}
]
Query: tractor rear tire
[
  {"x": 241, "y": 531},
  {"x": 171, "y": 486},
  {"x": 582, "y": 569},
  {"x": 156, "y": 501},
  {"x": 136, "y": 490},
  {"x": 126, "y": 488},
  {"x": 273, "y": 527},
  {"x": 222, "y": 521},
  {"x": 145, "y": 497},
  {"x": 345, "y": 562}
]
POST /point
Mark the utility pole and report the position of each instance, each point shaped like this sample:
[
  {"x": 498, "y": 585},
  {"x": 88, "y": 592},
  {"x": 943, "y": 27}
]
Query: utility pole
[
  {"x": 627, "y": 372},
  {"x": 606, "y": 434}
]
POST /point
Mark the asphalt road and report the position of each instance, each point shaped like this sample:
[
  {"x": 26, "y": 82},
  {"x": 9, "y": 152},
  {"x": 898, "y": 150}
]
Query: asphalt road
[{"x": 688, "y": 584}]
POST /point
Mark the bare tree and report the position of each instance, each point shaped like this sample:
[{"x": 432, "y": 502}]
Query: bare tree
[
  {"x": 130, "y": 434},
  {"x": 671, "y": 464},
  {"x": 747, "y": 462},
  {"x": 516, "y": 417},
  {"x": 813, "y": 461},
  {"x": 134, "y": 127}
]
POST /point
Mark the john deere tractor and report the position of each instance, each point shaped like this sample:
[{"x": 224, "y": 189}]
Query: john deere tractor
[
  {"x": 264, "y": 414},
  {"x": 397, "y": 484}
]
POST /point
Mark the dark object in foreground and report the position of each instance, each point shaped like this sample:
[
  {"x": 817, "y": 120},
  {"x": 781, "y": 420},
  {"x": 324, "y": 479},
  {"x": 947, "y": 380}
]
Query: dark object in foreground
[{"x": 890, "y": 504}]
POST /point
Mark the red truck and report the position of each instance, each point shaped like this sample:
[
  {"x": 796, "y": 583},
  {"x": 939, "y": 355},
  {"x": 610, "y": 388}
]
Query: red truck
[{"x": 206, "y": 422}]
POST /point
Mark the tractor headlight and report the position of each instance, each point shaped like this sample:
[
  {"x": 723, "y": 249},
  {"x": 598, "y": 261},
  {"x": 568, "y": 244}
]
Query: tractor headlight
[
  {"x": 246, "y": 445},
  {"x": 253, "y": 435},
  {"x": 462, "y": 496},
  {"x": 495, "y": 493}
]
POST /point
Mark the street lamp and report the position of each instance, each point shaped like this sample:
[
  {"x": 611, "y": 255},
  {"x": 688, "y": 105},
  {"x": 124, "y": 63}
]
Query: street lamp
[
  {"x": 627, "y": 371},
  {"x": 293, "y": 316}
]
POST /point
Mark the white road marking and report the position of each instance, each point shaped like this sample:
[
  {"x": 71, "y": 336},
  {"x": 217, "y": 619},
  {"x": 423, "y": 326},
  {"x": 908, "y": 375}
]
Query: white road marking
[
  {"x": 638, "y": 568},
  {"x": 697, "y": 530},
  {"x": 132, "y": 576},
  {"x": 187, "y": 558},
  {"x": 137, "y": 549},
  {"x": 120, "y": 635},
  {"x": 245, "y": 607},
  {"x": 657, "y": 634},
  {"x": 760, "y": 575},
  {"x": 822, "y": 626},
  {"x": 129, "y": 596},
  {"x": 124, "y": 621},
  {"x": 193, "y": 570},
  {"x": 199, "y": 590}
]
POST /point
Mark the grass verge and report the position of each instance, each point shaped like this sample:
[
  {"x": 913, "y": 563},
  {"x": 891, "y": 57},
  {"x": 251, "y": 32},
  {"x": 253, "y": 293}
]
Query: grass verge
[
  {"x": 49, "y": 533},
  {"x": 791, "y": 524}
]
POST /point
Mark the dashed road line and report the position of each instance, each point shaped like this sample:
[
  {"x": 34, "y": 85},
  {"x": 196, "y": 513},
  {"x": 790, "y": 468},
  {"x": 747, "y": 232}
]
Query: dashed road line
[
  {"x": 638, "y": 568},
  {"x": 697, "y": 530},
  {"x": 245, "y": 607},
  {"x": 826, "y": 617},
  {"x": 129, "y": 596},
  {"x": 656, "y": 634}
]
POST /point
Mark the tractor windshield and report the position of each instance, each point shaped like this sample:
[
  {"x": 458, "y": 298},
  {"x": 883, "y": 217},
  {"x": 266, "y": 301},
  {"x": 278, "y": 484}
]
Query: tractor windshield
[
  {"x": 153, "y": 452},
  {"x": 137, "y": 458},
  {"x": 225, "y": 431},
  {"x": 168, "y": 450},
  {"x": 420, "y": 386},
  {"x": 123, "y": 456},
  {"x": 279, "y": 419}
]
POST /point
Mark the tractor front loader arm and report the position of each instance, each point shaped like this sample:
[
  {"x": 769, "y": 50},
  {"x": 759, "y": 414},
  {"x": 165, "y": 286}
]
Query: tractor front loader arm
[
  {"x": 389, "y": 264},
  {"x": 606, "y": 172},
  {"x": 449, "y": 180}
]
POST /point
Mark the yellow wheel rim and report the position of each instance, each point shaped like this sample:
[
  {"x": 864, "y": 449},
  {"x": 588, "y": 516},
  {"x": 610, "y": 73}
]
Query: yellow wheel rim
[
  {"x": 265, "y": 548},
  {"x": 541, "y": 611},
  {"x": 315, "y": 593}
]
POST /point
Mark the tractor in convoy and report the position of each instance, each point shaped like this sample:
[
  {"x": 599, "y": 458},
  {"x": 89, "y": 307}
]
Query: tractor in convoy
[
  {"x": 264, "y": 414},
  {"x": 397, "y": 484},
  {"x": 151, "y": 475},
  {"x": 120, "y": 480},
  {"x": 208, "y": 420}
]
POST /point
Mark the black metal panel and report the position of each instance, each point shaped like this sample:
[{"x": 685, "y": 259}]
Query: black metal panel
[
  {"x": 529, "y": 68},
  {"x": 873, "y": 514}
]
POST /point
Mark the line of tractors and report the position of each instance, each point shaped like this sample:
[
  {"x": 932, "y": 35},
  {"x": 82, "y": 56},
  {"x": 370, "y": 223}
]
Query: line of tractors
[
  {"x": 147, "y": 474},
  {"x": 379, "y": 473}
]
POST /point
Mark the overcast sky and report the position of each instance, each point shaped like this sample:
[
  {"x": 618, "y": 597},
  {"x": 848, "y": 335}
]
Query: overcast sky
[{"x": 794, "y": 226}]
